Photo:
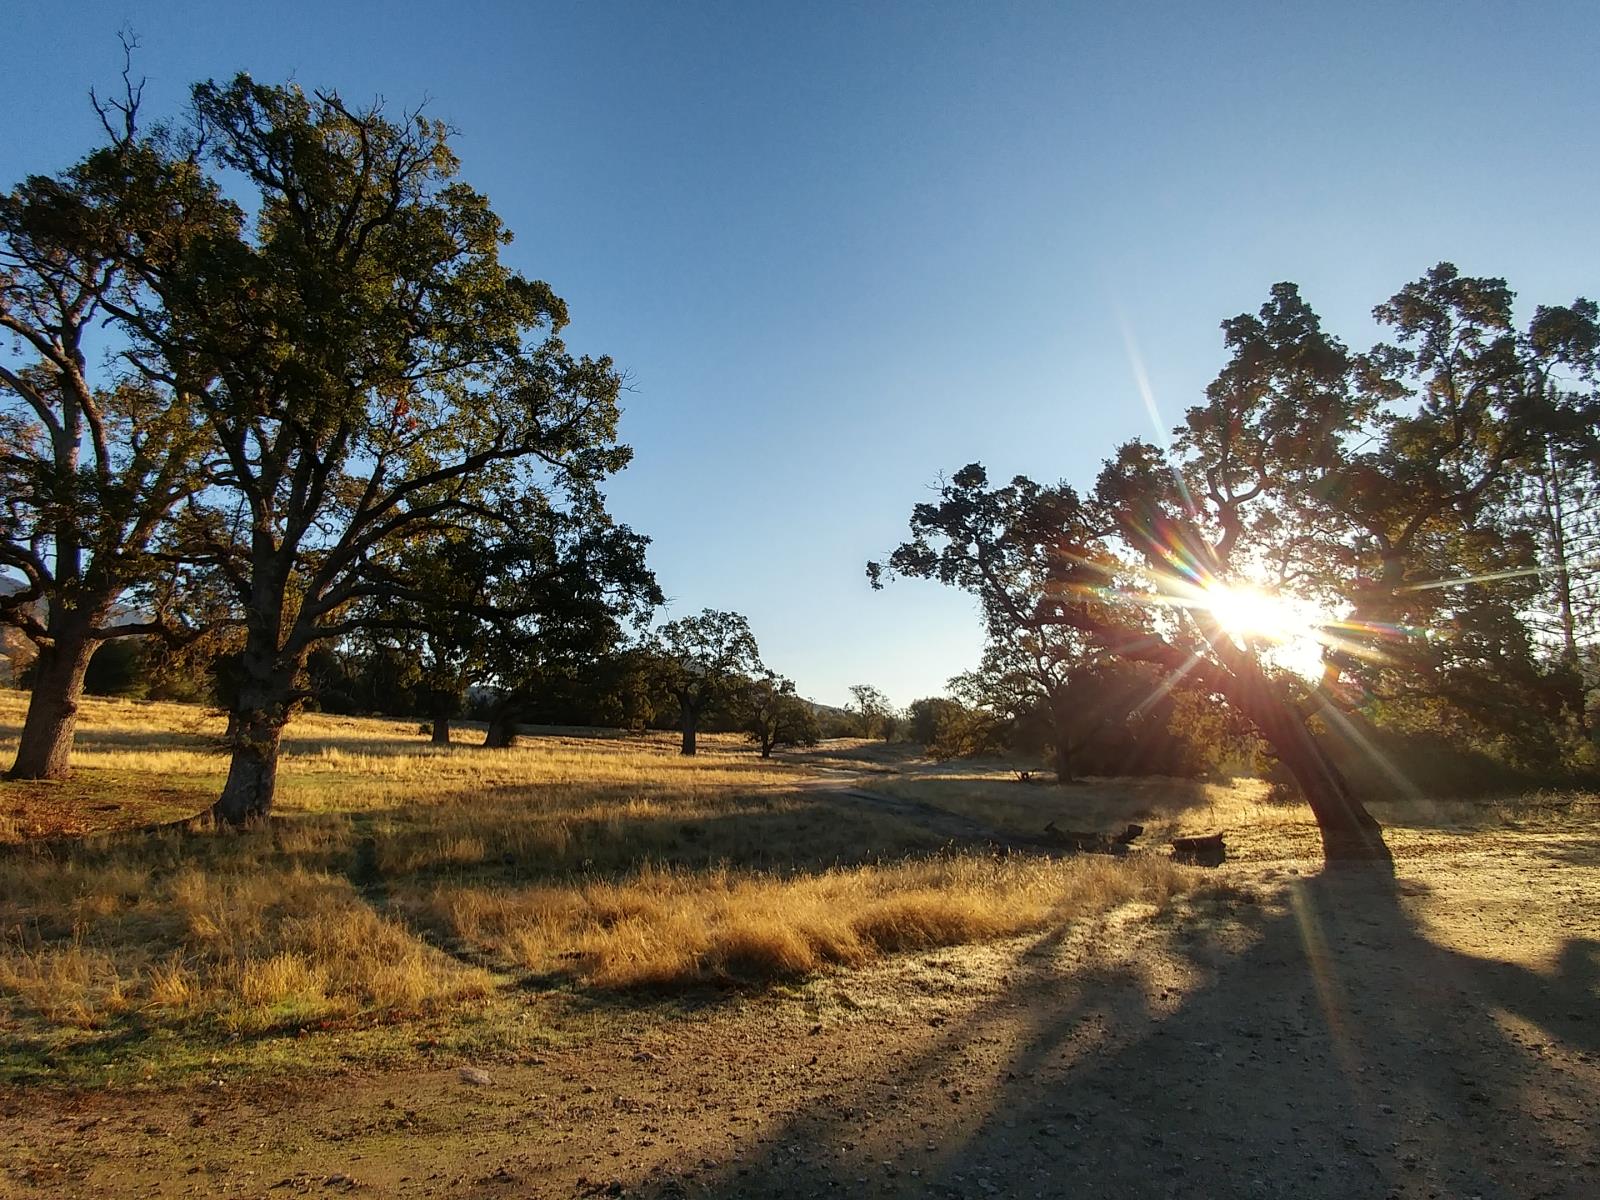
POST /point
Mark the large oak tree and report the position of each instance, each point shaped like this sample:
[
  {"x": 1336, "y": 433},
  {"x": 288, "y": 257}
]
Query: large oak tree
[
  {"x": 535, "y": 601},
  {"x": 370, "y": 371},
  {"x": 1377, "y": 487},
  {"x": 703, "y": 662}
]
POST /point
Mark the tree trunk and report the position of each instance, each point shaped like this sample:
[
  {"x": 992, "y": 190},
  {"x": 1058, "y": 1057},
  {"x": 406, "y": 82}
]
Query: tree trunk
[
  {"x": 253, "y": 773},
  {"x": 1063, "y": 760},
  {"x": 45, "y": 750},
  {"x": 1349, "y": 832},
  {"x": 502, "y": 731},
  {"x": 443, "y": 704},
  {"x": 1061, "y": 722},
  {"x": 691, "y": 721},
  {"x": 259, "y": 712}
]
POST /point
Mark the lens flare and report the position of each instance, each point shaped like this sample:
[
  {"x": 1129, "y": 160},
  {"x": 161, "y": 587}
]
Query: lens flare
[{"x": 1247, "y": 613}]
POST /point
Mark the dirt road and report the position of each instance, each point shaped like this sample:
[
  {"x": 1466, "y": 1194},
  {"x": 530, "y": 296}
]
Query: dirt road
[{"x": 1432, "y": 1036}]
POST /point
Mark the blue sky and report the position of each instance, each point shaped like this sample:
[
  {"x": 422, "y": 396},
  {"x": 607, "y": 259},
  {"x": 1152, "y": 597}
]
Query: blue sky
[{"x": 839, "y": 248}]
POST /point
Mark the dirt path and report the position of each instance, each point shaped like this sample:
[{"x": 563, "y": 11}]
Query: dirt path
[
  {"x": 1316, "y": 1037},
  {"x": 855, "y": 788}
]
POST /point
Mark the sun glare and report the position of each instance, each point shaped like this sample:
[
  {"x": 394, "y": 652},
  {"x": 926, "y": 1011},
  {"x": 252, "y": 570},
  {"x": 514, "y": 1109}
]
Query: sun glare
[
  {"x": 1248, "y": 612},
  {"x": 1291, "y": 632}
]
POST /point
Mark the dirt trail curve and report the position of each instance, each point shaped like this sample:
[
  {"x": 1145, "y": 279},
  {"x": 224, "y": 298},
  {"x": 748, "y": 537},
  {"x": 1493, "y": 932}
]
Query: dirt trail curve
[{"x": 848, "y": 787}]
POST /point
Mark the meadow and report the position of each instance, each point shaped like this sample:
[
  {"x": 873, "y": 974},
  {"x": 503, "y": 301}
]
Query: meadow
[
  {"x": 587, "y": 965},
  {"x": 411, "y": 899}
]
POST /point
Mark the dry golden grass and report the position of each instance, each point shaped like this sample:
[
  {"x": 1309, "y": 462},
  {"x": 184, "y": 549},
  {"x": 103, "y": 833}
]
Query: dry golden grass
[
  {"x": 351, "y": 764},
  {"x": 665, "y": 926},
  {"x": 90, "y": 938},
  {"x": 429, "y": 890}
]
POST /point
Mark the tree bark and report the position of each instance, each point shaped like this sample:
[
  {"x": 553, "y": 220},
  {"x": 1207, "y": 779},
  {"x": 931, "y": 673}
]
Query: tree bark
[
  {"x": 501, "y": 734},
  {"x": 1063, "y": 760},
  {"x": 443, "y": 704},
  {"x": 253, "y": 772},
  {"x": 1349, "y": 832},
  {"x": 691, "y": 721},
  {"x": 45, "y": 749},
  {"x": 1061, "y": 728},
  {"x": 260, "y": 710}
]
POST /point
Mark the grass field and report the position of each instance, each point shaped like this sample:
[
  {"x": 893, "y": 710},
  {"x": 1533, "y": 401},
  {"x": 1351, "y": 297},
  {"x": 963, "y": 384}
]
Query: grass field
[
  {"x": 411, "y": 899},
  {"x": 1258, "y": 828},
  {"x": 721, "y": 977}
]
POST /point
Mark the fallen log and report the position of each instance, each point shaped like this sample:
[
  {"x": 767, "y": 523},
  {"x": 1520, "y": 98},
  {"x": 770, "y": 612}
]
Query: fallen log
[{"x": 1206, "y": 851}]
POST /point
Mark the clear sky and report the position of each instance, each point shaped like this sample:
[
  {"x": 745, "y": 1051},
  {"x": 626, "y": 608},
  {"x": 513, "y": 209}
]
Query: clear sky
[{"x": 841, "y": 247}]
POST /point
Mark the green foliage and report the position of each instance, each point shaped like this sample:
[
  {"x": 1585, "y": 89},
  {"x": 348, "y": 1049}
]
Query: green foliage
[
  {"x": 364, "y": 372},
  {"x": 873, "y": 712},
  {"x": 702, "y": 662},
  {"x": 927, "y": 717},
  {"x": 118, "y": 668},
  {"x": 98, "y": 463},
  {"x": 773, "y": 715},
  {"x": 1384, "y": 486},
  {"x": 527, "y": 614}
]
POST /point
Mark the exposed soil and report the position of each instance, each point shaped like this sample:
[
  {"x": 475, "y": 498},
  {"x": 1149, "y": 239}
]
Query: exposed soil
[{"x": 1432, "y": 1035}]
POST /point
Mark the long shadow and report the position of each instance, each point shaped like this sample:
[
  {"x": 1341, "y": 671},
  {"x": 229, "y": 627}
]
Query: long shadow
[
  {"x": 1026, "y": 808},
  {"x": 1344, "y": 1054}
]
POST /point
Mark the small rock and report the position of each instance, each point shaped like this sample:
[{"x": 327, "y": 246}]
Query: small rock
[{"x": 475, "y": 1076}]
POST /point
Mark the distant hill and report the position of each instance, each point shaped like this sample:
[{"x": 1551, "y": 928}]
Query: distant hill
[
  {"x": 13, "y": 646},
  {"x": 827, "y": 710}
]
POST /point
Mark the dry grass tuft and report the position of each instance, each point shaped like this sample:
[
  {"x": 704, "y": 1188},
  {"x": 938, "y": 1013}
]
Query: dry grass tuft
[
  {"x": 92, "y": 940},
  {"x": 673, "y": 928}
]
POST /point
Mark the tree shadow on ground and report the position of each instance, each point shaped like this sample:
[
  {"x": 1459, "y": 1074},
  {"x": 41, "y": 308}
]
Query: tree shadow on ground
[{"x": 1344, "y": 1054}]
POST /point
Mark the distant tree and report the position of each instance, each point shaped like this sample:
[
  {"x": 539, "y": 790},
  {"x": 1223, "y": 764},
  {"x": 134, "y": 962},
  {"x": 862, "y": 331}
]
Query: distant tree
[
  {"x": 927, "y": 716},
  {"x": 1011, "y": 546},
  {"x": 838, "y": 723},
  {"x": 529, "y": 608},
  {"x": 370, "y": 371},
  {"x": 972, "y": 728},
  {"x": 118, "y": 668},
  {"x": 773, "y": 715},
  {"x": 1559, "y": 490},
  {"x": 702, "y": 661},
  {"x": 873, "y": 711},
  {"x": 561, "y": 601},
  {"x": 94, "y": 463},
  {"x": 443, "y": 629}
]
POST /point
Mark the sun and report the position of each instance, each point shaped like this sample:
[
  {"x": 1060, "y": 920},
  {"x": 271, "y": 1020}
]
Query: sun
[
  {"x": 1248, "y": 613},
  {"x": 1290, "y": 632}
]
